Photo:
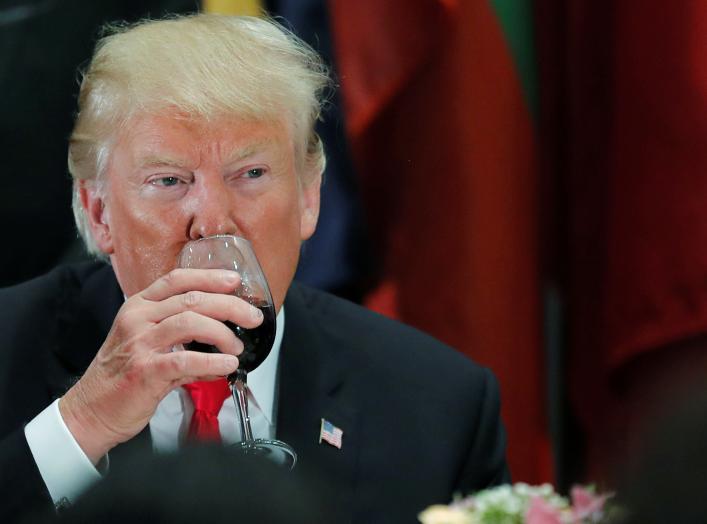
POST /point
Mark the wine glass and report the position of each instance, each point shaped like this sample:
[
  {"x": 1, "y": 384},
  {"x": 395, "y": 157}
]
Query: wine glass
[{"x": 236, "y": 254}]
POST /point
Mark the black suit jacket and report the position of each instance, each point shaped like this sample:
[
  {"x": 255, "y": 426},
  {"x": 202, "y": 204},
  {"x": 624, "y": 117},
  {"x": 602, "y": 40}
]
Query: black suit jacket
[{"x": 420, "y": 420}]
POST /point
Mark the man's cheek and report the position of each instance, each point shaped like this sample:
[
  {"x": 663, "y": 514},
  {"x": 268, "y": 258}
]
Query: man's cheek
[{"x": 145, "y": 260}]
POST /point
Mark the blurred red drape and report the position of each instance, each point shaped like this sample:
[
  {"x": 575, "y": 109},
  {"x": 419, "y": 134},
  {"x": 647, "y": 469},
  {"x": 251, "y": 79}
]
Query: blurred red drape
[
  {"x": 444, "y": 145},
  {"x": 626, "y": 116}
]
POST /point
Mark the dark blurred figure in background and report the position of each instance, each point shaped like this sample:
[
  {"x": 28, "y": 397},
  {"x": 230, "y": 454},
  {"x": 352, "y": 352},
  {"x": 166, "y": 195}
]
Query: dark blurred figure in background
[
  {"x": 624, "y": 138},
  {"x": 667, "y": 484},
  {"x": 202, "y": 484}
]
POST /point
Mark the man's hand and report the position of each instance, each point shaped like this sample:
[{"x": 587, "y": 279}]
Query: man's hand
[{"x": 136, "y": 367}]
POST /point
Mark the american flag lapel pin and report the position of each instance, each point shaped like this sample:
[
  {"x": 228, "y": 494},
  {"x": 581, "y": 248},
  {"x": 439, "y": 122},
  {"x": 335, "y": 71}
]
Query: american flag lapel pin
[{"x": 330, "y": 434}]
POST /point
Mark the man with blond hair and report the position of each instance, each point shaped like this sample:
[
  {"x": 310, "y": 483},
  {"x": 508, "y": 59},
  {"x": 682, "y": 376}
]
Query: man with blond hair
[{"x": 191, "y": 127}]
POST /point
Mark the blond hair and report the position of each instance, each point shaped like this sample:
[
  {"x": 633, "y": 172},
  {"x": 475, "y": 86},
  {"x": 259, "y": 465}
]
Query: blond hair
[{"x": 205, "y": 66}]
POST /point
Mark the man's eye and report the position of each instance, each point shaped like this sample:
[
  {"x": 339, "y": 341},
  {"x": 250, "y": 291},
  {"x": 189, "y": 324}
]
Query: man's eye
[
  {"x": 166, "y": 181},
  {"x": 256, "y": 172}
]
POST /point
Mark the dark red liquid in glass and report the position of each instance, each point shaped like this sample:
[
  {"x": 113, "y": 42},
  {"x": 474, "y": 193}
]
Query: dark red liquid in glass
[{"x": 257, "y": 342}]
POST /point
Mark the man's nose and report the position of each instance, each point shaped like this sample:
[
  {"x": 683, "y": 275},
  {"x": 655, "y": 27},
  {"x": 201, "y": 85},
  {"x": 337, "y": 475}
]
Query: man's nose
[{"x": 213, "y": 212}]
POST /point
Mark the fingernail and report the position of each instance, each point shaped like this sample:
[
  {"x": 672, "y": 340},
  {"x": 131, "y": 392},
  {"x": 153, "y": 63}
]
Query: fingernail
[
  {"x": 255, "y": 314},
  {"x": 231, "y": 277}
]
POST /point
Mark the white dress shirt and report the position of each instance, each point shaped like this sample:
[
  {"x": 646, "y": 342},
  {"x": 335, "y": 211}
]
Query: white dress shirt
[{"x": 67, "y": 471}]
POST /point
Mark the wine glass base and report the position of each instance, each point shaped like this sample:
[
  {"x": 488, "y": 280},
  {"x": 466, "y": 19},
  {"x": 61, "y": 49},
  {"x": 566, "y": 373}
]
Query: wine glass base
[{"x": 273, "y": 450}]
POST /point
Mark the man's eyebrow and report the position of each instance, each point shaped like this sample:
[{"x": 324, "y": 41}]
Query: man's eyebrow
[
  {"x": 234, "y": 156},
  {"x": 249, "y": 150},
  {"x": 163, "y": 160}
]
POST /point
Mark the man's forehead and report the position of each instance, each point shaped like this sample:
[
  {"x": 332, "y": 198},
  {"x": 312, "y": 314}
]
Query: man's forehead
[{"x": 162, "y": 140}]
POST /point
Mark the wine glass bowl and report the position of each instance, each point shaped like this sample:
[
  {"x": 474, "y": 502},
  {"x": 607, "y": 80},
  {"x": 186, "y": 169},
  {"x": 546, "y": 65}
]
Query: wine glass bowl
[{"x": 236, "y": 254}]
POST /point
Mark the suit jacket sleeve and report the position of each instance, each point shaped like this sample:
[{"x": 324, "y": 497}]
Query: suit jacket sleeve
[
  {"x": 21, "y": 485},
  {"x": 28, "y": 319}
]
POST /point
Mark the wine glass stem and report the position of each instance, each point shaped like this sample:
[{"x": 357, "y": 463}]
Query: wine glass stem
[{"x": 239, "y": 390}]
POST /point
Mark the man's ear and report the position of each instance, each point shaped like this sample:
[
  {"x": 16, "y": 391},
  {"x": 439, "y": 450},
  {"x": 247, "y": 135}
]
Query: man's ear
[
  {"x": 309, "y": 206},
  {"x": 94, "y": 206}
]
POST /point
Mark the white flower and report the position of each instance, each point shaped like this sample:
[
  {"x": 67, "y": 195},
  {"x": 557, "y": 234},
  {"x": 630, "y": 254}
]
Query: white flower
[
  {"x": 440, "y": 514},
  {"x": 523, "y": 489}
]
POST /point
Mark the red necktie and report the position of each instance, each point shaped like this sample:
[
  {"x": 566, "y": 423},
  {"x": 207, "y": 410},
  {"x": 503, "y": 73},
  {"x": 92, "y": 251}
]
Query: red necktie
[{"x": 208, "y": 398}]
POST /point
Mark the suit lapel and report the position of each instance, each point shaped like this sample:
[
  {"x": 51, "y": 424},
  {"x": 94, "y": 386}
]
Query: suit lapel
[{"x": 314, "y": 384}]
